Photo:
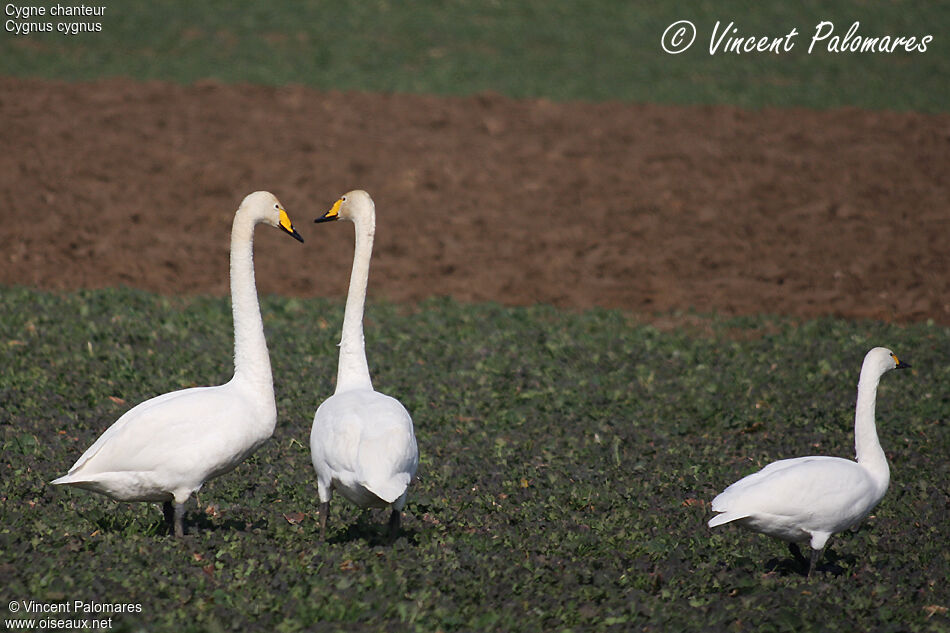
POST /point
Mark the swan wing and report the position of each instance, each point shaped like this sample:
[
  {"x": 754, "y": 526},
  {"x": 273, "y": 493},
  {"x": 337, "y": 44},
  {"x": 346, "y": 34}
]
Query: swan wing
[
  {"x": 131, "y": 417},
  {"x": 334, "y": 438},
  {"x": 389, "y": 455},
  {"x": 809, "y": 489},
  {"x": 195, "y": 431}
]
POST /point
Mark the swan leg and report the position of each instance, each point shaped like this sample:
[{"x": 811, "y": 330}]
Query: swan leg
[
  {"x": 169, "y": 513},
  {"x": 797, "y": 553},
  {"x": 324, "y": 511},
  {"x": 394, "y": 519},
  {"x": 179, "y": 520},
  {"x": 813, "y": 561}
]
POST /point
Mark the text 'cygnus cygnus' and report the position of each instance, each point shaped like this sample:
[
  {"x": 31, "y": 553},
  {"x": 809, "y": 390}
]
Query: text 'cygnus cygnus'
[{"x": 165, "y": 448}]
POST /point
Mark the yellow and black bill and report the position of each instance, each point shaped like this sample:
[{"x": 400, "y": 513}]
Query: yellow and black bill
[
  {"x": 332, "y": 214},
  {"x": 287, "y": 226}
]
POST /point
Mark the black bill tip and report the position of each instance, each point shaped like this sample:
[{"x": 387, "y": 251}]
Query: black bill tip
[{"x": 292, "y": 232}]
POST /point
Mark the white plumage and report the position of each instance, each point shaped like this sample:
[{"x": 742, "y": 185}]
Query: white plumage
[
  {"x": 165, "y": 448},
  {"x": 362, "y": 442},
  {"x": 808, "y": 499}
]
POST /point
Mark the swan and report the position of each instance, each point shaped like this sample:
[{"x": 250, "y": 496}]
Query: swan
[
  {"x": 362, "y": 442},
  {"x": 811, "y": 498},
  {"x": 164, "y": 449}
]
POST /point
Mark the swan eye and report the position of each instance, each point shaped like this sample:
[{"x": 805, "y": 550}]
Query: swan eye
[{"x": 277, "y": 206}]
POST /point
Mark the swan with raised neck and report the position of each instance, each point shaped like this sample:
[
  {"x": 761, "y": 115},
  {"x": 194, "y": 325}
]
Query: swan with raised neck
[
  {"x": 808, "y": 499},
  {"x": 166, "y": 448},
  {"x": 362, "y": 443}
]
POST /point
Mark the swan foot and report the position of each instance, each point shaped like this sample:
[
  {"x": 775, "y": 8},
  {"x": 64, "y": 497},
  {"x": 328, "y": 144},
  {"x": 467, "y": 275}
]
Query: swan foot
[
  {"x": 807, "y": 564},
  {"x": 797, "y": 553},
  {"x": 324, "y": 511},
  {"x": 394, "y": 520}
]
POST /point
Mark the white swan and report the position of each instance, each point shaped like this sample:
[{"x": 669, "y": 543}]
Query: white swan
[
  {"x": 362, "y": 442},
  {"x": 165, "y": 448},
  {"x": 811, "y": 498}
]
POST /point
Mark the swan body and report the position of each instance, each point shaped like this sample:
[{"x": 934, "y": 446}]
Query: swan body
[
  {"x": 362, "y": 442},
  {"x": 165, "y": 448},
  {"x": 371, "y": 465},
  {"x": 808, "y": 499}
]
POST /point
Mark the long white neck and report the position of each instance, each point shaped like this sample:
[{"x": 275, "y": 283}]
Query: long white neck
[
  {"x": 251, "y": 360},
  {"x": 866, "y": 444},
  {"x": 353, "y": 372}
]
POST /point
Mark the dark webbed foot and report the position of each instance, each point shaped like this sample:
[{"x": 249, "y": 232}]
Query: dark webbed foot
[
  {"x": 806, "y": 564},
  {"x": 797, "y": 553}
]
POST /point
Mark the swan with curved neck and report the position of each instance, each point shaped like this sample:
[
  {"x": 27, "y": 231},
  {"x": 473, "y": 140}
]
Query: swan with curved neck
[
  {"x": 362, "y": 442},
  {"x": 164, "y": 449},
  {"x": 808, "y": 499}
]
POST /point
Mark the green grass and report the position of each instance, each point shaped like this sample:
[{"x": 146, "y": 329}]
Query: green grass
[
  {"x": 566, "y": 460},
  {"x": 568, "y": 50}
]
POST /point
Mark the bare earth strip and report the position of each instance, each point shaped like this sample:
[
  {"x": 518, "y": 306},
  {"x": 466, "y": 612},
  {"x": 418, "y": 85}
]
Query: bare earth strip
[{"x": 640, "y": 207}]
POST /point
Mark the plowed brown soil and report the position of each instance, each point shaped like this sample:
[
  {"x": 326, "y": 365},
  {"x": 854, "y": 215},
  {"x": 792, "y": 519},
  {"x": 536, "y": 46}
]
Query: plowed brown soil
[{"x": 639, "y": 207}]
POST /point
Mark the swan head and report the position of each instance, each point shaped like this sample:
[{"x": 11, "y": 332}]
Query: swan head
[
  {"x": 353, "y": 205},
  {"x": 880, "y": 360},
  {"x": 264, "y": 207}
]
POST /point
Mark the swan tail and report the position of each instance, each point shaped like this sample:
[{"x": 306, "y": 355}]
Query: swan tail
[
  {"x": 76, "y": 476},
  {"x": 66, "y": 479},
  {"x": 391, "y": 490},
  {"x": 87, "y": 483},
  {"x": 726, "y": 517}
]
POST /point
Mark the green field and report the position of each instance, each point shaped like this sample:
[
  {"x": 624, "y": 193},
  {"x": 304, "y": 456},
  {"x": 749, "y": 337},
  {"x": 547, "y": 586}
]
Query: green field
[
  {"x": 566, "y": 459},
  {"x": 569, "y": 50}
]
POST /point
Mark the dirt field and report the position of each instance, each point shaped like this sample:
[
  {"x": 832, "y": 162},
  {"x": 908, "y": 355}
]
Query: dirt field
[{"x": 640, "y": 207}]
